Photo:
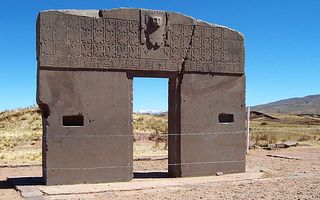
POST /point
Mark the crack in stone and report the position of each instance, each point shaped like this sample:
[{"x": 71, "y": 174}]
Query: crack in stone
[
  {"x": 177, "y": 107},
  {"x": 183, "y": 65}
]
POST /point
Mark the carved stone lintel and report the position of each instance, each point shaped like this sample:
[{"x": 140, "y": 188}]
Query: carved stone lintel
[
  {"x": 143, "y": 28},
  {"x": 152, "y": 35}
]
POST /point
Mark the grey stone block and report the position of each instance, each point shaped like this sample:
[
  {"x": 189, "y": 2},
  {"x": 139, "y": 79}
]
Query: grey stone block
[{"x": 86, "y": 62}]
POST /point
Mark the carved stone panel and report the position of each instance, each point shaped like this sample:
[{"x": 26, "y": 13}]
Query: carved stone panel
[{"x": 87, "y": 42}]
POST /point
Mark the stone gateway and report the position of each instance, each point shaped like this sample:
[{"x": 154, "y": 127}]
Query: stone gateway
[{"x": 86, "y": 63}]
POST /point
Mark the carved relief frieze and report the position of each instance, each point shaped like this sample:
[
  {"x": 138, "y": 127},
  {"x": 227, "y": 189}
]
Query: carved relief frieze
[{"x": 153, "y": 42}]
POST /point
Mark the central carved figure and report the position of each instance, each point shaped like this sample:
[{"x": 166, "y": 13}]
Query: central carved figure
[{"x": 155, "y": 32}]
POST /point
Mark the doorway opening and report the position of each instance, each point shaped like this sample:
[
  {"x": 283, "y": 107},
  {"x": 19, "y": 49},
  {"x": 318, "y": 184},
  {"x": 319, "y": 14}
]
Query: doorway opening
[{"x": 150, "y": 127}]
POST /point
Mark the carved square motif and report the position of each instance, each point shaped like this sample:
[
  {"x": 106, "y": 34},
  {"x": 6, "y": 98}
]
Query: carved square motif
[
  {"x": 110, "y": 24},
  {"x": 133, "y": 38},
  {"x": 86, "y": 29},
  {"x": 133, "y": 26},
  {"x": 122, "y": 52},
  {"x": 98, "y": 24},
  {"x": 84, "y": 61},
  {"x": 134, "y": 52},
  {"x": 62, "y": 61},
  {"x": 206, "y": 43},
  {"x": 61, "y": 21},
  {"x": 86, "y": 23},
  {"x": 122, "y": 37},
  {"x": 110, "y": 37},
  {"x": 62, "y": 48},
  {"x": 217, "y": 32},
  {"x": 146, "y": 64},
  {"x": 158, "y": 64},
  {"x": 60, "y": 34},
  {"x": 133, "y": 33},
  {"x": 46, "y": 33},
  {"x": 94, "y": 62},
  {"x": 75, "y": 48},
  {"x": 98, "y": 36},
  {"x": 176, "y": 54},
  {"x": 197, "y": 31},
  {"x": 186, "y": 41},
  {"x": 217, "y": 55},
  {"x": 73, "y": 34},
  {"x": 176, "y": 29},
  {"x": 74, "y": 61},
  {"x": 47, "y": 19},
  {"x": 74, "y": 22},
  {"x": 86, "y": 49},
  {"x": 226, "y": 44},
  {"x": 98, "y": 50},
  {"x": 217, "y": 44},
  {"x": 187, "y": 30},
  {"x": 226, "y": 56},
  {"x": 206, "y": 55},
  {"x": 47, "y": 47},
  {"x": 196, "y": 42},
  {"x": 47, "y": 60},
  {"x": 110, "y": 51},
  {"x": 195, "y": 54},
  {"x": 86, "y": 35},
  {"x": 176, "y": 41},
  {"x": 206, "y": 32},
  {"x": 227, "y": 34},
  {"x": 133, "y": 64},
  {"x": 122, "y": 25},
  {"x": 236, "y": 58}
]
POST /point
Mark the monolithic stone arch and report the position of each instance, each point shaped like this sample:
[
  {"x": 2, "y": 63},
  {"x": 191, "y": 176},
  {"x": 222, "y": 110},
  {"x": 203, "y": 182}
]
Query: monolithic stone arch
[{"x": 86, "y": 62}]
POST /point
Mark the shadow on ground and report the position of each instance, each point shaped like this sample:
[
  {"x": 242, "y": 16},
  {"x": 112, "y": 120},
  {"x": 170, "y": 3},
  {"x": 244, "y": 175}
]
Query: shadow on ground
[
  {"x": 6, "y": 185},
  {"x": 145, "y": 175},
  {"x": 23, "y": 181}
]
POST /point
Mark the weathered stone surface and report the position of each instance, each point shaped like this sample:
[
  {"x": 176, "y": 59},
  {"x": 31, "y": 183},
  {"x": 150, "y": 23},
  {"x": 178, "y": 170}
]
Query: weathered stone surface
[
  {"x": 127, "y": 39},
  {"x": 101, "y": 149},
  {"x": 205, "y": 145},
  {"x": 86, "y": 62}
]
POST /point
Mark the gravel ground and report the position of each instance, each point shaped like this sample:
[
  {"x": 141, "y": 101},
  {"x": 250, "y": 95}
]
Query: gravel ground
[{"x": 283, "y": 179}]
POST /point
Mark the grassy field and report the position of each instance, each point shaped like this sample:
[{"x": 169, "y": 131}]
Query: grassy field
[
  {"x": 21, "y": 133},
  {"x": 285, "y": 127}
]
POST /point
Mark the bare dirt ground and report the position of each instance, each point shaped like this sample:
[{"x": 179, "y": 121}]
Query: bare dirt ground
[{"x": 282, "y": 179}]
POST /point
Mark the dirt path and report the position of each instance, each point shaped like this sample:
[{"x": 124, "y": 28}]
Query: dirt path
[
  {"x": 282, "y": 179},
  {"x": 6, "y": 190}
]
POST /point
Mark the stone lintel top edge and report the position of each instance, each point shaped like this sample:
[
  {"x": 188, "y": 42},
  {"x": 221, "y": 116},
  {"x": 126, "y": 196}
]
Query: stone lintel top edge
[{"x": 95, "y": 14}]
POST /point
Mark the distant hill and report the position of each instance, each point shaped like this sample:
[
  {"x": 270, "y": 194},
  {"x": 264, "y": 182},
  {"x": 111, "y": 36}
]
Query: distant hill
[{"x": 305, "y": 105}]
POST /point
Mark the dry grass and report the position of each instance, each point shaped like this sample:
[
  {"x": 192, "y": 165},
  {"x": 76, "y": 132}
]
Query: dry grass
[
  {"x": 146, "y": 123},
  {"x": 21, "y": 133},
  {"x": 285, "y": 128},
  {"x": 19, "y": 129},
  {"x": 147, "y": 149}
]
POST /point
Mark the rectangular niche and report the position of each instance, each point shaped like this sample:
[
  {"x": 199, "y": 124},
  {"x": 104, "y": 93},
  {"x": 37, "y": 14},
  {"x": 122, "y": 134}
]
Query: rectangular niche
[
  {"x": 72, "y": 120},
  {"x": 225, "y": 118}
]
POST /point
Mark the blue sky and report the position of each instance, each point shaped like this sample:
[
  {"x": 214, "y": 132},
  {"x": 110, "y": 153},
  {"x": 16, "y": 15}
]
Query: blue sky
[{"x": 282, "y": 40}]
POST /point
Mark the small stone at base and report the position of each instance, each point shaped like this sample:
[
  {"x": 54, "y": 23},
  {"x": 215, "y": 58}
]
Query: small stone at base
[{"x": 219, "y": 173}]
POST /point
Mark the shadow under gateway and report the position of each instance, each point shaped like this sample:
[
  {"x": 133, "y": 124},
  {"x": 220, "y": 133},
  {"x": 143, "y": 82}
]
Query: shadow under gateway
[{"x": 12, "y": 182}]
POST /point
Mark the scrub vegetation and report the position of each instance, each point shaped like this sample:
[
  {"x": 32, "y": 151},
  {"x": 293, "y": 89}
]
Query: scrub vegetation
[
  {"x": 277, "y": 128},
  {"x": 21, "y": 133}
]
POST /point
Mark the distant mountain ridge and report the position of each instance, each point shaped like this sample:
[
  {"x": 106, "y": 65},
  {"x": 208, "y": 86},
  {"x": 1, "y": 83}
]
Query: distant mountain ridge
[{"x": 304, "y": 105}]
